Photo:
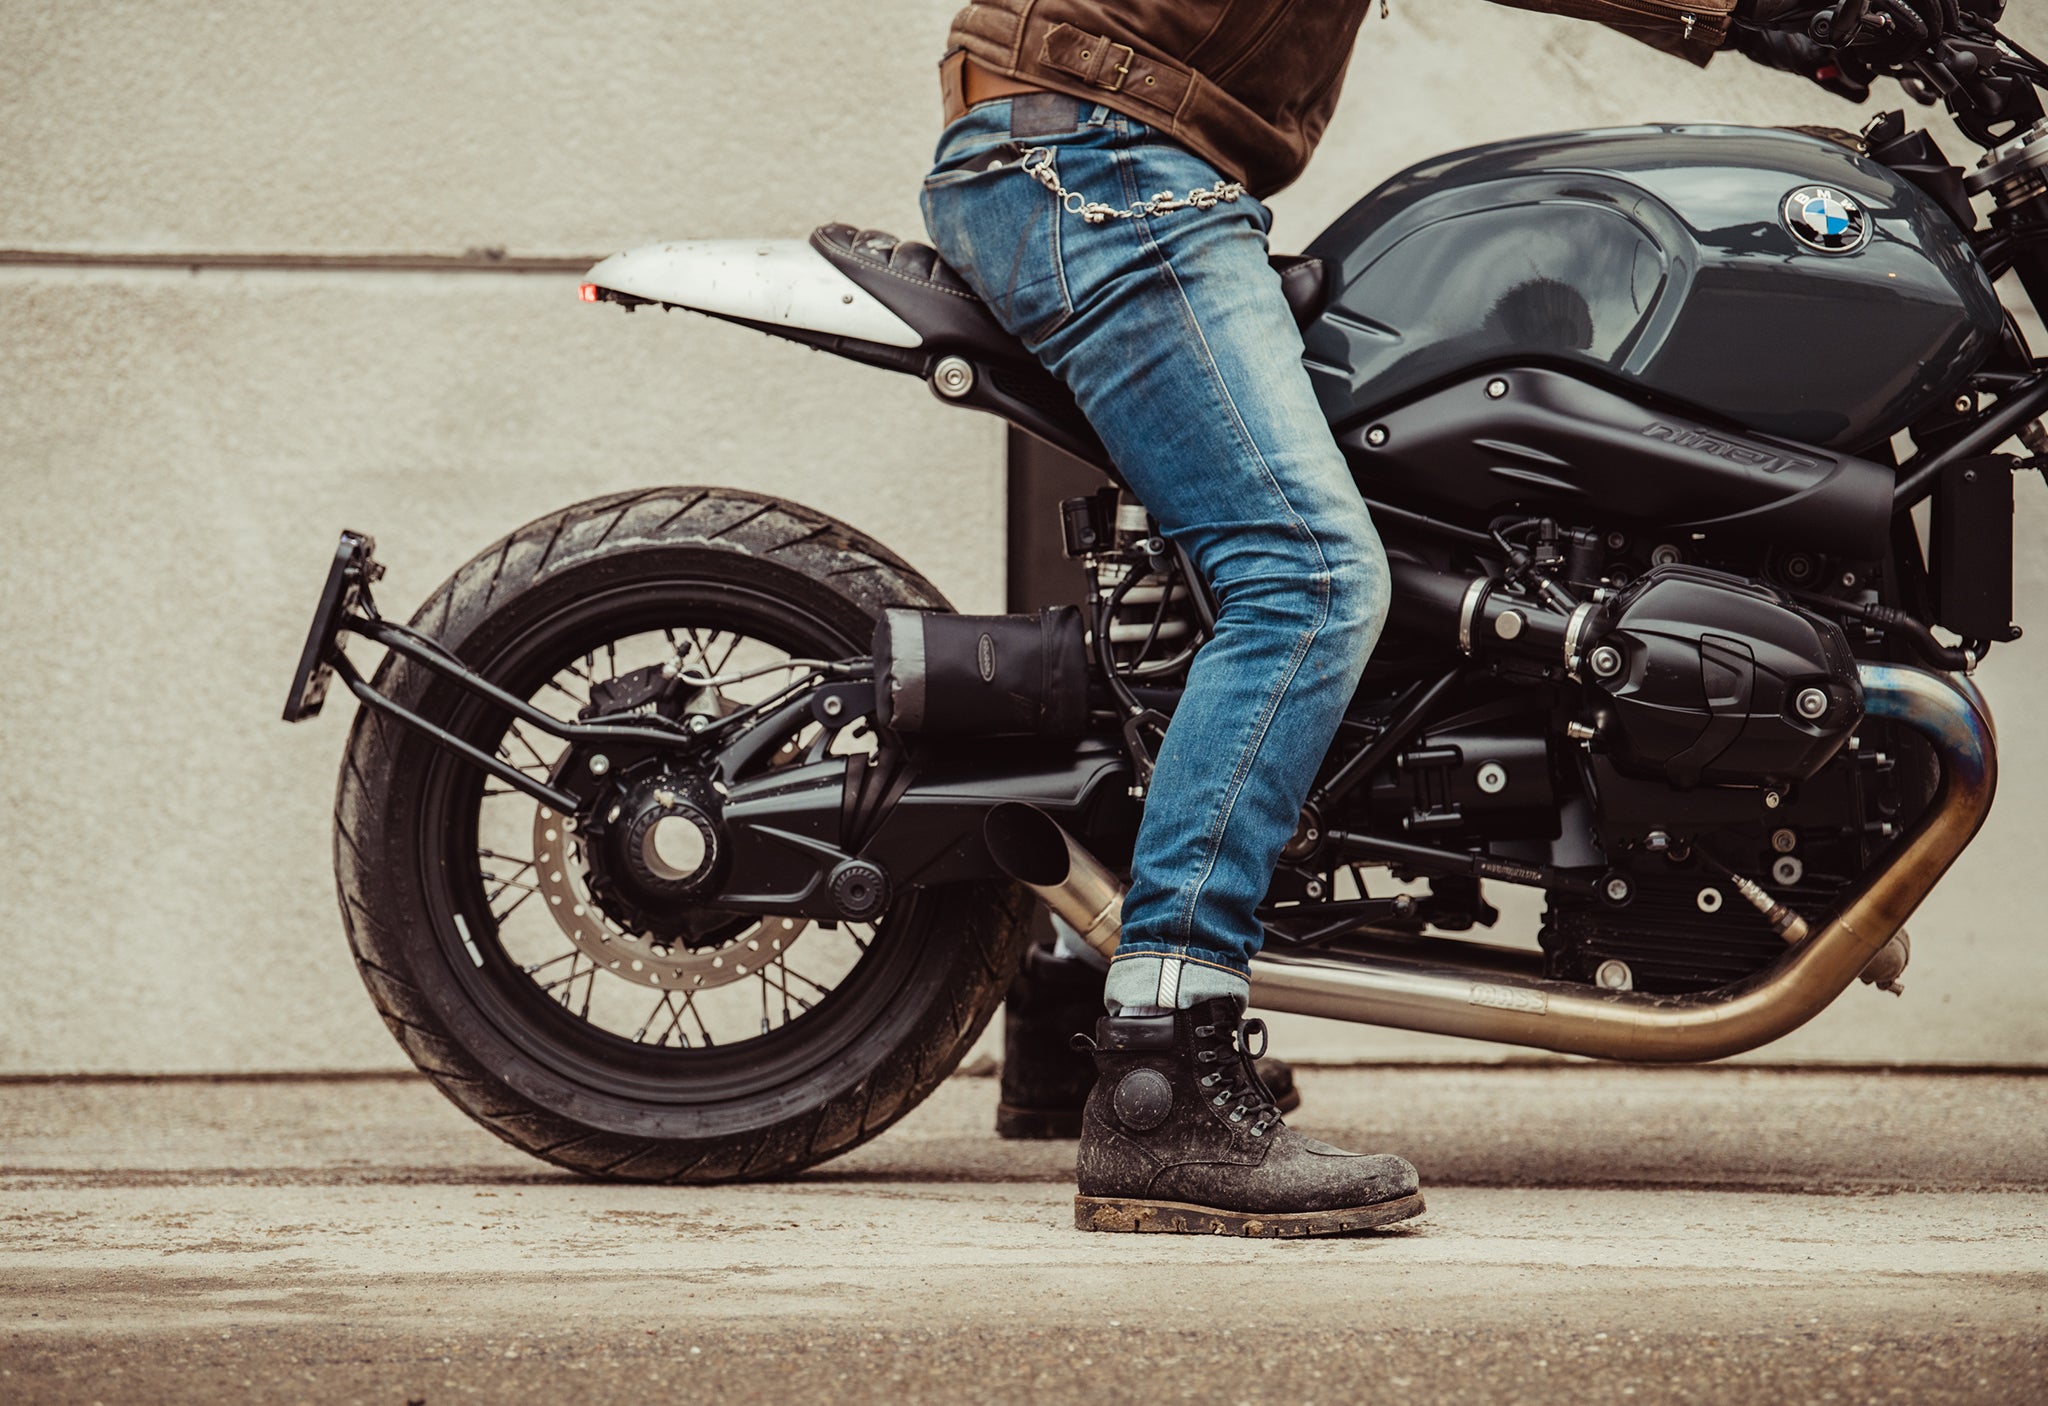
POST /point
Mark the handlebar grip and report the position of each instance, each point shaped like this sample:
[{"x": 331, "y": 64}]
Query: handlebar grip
[{"x": 1837, "y": 27}]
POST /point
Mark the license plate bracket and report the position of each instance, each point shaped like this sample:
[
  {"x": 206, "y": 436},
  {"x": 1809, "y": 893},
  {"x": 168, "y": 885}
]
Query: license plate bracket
[{"x": 354, "y": 567}]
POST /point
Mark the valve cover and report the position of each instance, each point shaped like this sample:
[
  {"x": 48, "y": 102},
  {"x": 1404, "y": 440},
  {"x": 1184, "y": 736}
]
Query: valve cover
[{"x": 1712, "y": 674}]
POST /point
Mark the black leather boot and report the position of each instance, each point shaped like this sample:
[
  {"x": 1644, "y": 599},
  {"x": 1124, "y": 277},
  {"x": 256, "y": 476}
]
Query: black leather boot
[
  {"x": 1045, "y": 1079},
  {"x": 1180, "y": 1136}
]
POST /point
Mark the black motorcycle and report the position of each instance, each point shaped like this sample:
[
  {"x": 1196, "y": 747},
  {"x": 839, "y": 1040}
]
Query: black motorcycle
[{"x": 687, "y": 835}]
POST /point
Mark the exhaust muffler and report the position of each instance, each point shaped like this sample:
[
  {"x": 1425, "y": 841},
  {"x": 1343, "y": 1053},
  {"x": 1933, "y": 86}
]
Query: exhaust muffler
[
  {"x": 1484, "y": 996},
  {"x": 1032, "y": 848}
]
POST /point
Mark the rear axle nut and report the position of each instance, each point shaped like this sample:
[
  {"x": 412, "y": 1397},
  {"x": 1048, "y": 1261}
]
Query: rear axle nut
[{"x": 859, "y": 888}]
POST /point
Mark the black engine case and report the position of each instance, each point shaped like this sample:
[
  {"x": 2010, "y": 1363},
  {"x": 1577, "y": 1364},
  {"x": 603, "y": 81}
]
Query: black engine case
[{"x": 1711, "y": 668}]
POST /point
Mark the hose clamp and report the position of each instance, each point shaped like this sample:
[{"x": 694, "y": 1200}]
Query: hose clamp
[
  {"x": 1469, "y": 608},
  {"x": 1574, "y": 632}
]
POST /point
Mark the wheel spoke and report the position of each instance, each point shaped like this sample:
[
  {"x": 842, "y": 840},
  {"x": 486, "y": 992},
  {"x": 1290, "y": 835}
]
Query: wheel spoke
[
  {"x": 789, "y": 971},
  {"x": 568, "y": 956},
  {"x": 782, "y": 963},
  {"x": 703, "y": 1030},
  {"x": 603, "y": 978},
  {"x": 575, "y": 972},
  {"x": 539, "y": 766},
  {"x": 666, "y": 1003},
  {"x": 505, "y": 883},
  {"x": 499, "y": 917}
]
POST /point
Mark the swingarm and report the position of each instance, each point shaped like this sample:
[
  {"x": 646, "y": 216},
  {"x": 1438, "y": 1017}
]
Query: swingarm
[{"x": 759, "y": 810}]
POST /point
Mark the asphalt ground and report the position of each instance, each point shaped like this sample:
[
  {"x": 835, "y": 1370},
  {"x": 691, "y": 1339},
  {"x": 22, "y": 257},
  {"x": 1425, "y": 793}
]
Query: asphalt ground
[{"x": 1594, "y": 1235}]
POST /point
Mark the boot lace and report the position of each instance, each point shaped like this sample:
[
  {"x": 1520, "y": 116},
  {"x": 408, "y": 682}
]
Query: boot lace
[{"x": 1230, "y": 1080}]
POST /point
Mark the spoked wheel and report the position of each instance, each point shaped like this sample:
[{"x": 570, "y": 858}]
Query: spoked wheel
[{"x": 705, "y": 1045}]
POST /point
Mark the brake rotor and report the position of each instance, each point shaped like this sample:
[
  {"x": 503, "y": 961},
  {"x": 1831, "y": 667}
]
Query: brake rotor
[{"x": 559, "y": 864}]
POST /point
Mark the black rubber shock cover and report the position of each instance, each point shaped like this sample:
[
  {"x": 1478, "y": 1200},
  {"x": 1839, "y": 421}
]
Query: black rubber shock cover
[{"x": 982, "y": 675}]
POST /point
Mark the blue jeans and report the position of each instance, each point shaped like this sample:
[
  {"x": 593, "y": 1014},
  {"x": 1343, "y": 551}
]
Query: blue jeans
[{"x": 1173, "y": 335}]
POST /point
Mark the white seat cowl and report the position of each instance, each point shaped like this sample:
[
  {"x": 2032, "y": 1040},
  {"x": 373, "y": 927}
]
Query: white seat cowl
[{"x": 783, "y": 282}]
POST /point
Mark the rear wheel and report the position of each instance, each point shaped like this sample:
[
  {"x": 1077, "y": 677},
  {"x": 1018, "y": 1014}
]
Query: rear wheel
[{"x": 747, "y": 1047}]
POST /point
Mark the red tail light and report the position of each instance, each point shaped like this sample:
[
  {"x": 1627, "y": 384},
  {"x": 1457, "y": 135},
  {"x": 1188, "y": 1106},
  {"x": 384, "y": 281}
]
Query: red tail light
[{"x": 587, "y": 292}]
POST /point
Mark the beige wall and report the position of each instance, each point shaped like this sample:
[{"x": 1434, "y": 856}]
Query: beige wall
[{"x": 177, "y": 449}]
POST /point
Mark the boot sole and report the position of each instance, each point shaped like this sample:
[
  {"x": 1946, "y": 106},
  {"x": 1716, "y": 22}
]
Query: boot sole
[
  {"x": 1115, "y": 1213},
  {"x": 1015, "y": 1124}
]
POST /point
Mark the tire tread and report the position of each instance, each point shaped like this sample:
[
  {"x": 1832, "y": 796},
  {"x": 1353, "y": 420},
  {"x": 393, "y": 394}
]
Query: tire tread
[{"x": 387, "y": 936}]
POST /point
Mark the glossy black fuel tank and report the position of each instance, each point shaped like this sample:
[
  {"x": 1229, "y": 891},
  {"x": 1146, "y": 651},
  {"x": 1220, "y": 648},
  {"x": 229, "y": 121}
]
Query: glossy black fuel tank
[{"x": 1658, "y": 255}]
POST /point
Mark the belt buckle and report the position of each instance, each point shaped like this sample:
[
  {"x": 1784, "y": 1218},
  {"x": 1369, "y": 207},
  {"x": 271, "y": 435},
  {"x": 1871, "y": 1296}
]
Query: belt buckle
[{"x": 1122, "y": 70}]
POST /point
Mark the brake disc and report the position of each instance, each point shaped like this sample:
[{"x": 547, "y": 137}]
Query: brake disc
[{"x": 559, "y": 863}]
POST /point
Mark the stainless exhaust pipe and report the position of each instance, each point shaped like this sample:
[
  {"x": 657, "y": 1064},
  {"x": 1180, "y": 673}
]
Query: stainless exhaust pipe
[
  {"x": 1441, "y": 996},
  {"x": 1032, "y": 848}
]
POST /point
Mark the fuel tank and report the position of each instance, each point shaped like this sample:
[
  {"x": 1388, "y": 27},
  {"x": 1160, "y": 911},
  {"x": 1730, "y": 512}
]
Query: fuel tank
[{"x": 1664, "y": 260}]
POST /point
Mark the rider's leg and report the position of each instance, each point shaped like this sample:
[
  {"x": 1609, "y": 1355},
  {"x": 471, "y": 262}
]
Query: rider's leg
[
  {"x": 1175, "y": 338},
  {"x": 1172, "y": 332},
  {"x": 1057, "y": 994}
]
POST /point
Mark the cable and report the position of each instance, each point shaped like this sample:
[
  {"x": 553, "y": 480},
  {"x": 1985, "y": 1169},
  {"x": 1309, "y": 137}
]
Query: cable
[{"x": 1890, "y": 617}]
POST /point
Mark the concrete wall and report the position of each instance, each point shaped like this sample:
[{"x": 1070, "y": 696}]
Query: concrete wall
[{"x": 177, "y": 448}]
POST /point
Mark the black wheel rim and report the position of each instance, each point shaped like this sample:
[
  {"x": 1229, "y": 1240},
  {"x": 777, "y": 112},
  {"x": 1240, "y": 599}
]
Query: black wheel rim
[{"x": 524, "y": 1006}]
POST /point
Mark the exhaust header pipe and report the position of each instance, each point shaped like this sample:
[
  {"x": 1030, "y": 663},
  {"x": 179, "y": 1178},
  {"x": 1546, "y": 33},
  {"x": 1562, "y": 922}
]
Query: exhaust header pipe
[{"x": 1489, "y": 1001}]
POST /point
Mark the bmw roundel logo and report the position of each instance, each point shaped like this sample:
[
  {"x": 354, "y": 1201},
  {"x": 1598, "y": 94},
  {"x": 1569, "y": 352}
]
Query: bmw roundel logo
[{"x": 1827, "y": 220}]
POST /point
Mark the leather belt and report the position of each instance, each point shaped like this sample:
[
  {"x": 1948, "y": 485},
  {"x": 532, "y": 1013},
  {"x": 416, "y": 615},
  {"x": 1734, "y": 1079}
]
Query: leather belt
[
  {"x": 1093, "y": 62},
  {"x": 964, "y": 83}
]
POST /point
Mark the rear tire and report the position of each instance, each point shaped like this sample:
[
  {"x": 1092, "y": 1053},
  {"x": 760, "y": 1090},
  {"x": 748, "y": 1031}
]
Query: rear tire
[{"x": 632, "y": 1113}]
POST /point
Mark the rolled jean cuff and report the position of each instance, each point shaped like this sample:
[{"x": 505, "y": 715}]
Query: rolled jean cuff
[{"x": 1171, "y": 981}]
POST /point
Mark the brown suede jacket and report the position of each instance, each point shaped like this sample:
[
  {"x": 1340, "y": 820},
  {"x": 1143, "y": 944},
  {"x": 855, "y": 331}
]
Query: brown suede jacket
[{"x": 1249, "y": 84}]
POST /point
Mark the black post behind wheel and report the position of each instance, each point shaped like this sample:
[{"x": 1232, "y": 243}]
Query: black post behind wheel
[{"x": 473, "y": 929}]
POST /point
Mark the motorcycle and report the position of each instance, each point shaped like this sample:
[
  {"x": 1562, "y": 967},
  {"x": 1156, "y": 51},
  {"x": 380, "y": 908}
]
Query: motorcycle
[{"x": 688, "y": 834}]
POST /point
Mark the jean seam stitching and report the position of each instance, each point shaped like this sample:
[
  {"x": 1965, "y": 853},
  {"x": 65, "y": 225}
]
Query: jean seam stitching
[
  {"x": 1184, "y": 920},
  {"x": 1178, "y": 954},
  {"x": 1059, "y": 263},
  {"x": 1038, "y": 335}
]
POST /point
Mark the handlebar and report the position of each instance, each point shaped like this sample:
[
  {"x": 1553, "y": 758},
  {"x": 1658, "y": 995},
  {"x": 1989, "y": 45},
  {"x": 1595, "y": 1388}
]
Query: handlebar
[
  {"x": 1837, "y": 28},
  {"x": 1947, "y": 51}
]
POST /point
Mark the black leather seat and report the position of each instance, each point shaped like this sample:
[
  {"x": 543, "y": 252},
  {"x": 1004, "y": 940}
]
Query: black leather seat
[
  {"x": 1305, "y": 283},
  {"x": 912, "y": 281}
]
